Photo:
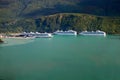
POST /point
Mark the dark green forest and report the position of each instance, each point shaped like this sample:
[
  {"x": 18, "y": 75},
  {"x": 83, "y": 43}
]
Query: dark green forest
[
  {"x": 34, "y": 8},
  {"x": 64, "y": 21}
]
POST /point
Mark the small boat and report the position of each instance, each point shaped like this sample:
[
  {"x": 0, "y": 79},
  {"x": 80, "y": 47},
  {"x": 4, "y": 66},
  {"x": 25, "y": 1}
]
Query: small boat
[
  {"x": 69, "y": 32},
  {"x": 93, "y": 33}
]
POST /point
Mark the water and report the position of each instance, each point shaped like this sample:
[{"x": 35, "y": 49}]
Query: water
[{"x": 61, "y": 58}]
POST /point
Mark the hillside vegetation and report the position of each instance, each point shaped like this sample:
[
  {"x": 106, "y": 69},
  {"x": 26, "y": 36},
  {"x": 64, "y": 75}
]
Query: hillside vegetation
[
  {"x": 35, "y": 8},
  {"x": 51, "y": 15},
  {"x": 65, "y": 21}
]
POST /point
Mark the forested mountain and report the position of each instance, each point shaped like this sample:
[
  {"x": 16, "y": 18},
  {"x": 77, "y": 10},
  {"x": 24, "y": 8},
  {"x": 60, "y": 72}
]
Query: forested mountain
[
  {"x": 33, "y": 8},
  {"x": 35, "y": 15},
  {"x": 64, "y": 21}
]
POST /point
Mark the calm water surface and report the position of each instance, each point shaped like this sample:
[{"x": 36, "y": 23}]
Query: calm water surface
[{"x": 61, "y": 58}]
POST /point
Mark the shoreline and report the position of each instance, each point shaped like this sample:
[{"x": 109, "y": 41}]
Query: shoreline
[{"x": 1, "y": 41}]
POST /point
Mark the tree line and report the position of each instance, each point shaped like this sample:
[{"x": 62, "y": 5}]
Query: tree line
[{"x": 65, "y": 21}]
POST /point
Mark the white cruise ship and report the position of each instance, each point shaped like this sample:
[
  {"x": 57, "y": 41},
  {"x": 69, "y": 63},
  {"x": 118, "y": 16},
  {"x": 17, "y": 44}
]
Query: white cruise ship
[
  {"x": 69, "y": 32},
  {"x": 93, "y": 33},
  {"x": 43, "y": 35},
  {"x": 38, "y": 35}
]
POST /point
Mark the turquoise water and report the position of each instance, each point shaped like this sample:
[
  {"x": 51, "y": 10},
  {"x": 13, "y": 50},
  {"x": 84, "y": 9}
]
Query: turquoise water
[{"x": 61, "y": 58}]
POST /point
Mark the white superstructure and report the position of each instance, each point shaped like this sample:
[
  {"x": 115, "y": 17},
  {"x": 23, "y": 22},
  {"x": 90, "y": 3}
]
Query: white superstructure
[
  {"x": 43, "y": 35},
  {"x": 69, "y": 32},
  {"x": 93, "y": 33},
  {"x": 37, "y": 35}
]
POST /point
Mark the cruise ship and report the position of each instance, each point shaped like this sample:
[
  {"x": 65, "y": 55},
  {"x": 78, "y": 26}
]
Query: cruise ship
[
  {"x": 43, "y": 35},
  {"x": 69, "y": 32},
  {"x": 37, "y": 35},
  {"x": 93, "y": 33}
]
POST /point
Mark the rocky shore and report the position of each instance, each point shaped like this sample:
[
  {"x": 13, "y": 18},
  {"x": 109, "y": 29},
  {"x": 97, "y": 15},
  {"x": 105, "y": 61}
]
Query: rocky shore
[{"x": 1, "y": 41}]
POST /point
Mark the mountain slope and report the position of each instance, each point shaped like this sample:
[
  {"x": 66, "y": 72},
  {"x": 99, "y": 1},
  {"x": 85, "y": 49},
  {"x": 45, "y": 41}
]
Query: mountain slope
[
  {"x": 38, "y": 15},
  {"x": 34, "y": 8},
  {"x": 66, "y": 21}
]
